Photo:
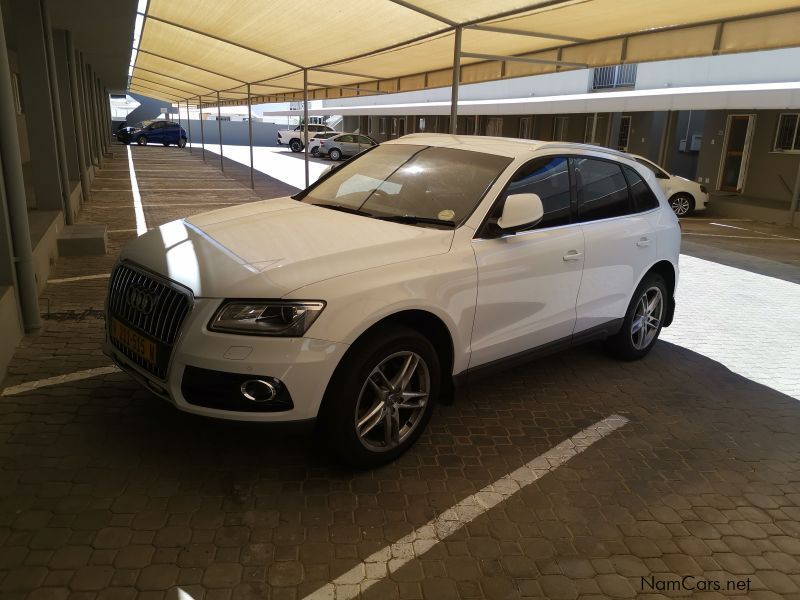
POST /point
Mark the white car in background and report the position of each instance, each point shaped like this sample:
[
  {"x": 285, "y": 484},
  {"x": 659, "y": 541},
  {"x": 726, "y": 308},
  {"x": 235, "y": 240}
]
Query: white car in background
[
  {"x": 296, "y": 138},
  {"x": 363, "y": 300},
  {"x": 684, "y": 195}
]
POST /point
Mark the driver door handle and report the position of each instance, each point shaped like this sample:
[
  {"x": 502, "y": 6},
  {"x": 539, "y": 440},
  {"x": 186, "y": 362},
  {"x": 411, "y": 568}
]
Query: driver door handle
[{"x": 572, "y": 256}]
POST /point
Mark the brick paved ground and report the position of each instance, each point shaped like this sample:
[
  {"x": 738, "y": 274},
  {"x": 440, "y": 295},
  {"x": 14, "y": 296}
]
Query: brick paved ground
[{"x": 109, "y": 493}]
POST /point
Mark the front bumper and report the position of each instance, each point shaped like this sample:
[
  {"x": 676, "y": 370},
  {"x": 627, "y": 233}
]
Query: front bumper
[{"x": 303, "y": 366}]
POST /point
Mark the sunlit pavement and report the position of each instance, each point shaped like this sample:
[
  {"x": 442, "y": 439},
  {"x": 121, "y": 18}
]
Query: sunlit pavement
[
  {"x": 577, "y": 476},
  {"x": 746, "y": 321},
  {"x": 280, "y": 163}
]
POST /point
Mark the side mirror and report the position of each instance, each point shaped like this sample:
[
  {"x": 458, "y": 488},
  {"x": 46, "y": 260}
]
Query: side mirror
[{"x": 521, "y": 210}]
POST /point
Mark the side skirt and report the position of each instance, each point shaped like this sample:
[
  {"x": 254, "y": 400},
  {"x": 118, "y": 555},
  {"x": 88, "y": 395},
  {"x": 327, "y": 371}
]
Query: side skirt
[{"x": 599, "y": 332}]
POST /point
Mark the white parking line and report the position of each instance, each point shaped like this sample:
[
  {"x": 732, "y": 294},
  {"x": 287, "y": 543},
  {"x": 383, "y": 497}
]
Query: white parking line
[
  {"x": 82, "y": 277},
  {"x": 391, "y": 558},
  {"x": 40, "y": 383},
  {"x": 141, "y": 224}
]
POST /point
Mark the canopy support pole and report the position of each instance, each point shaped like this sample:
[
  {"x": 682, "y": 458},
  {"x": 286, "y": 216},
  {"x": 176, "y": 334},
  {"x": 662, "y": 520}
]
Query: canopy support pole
[
  {"x": 456, "y": 82},
  {"x": 305, "y": 121},
  {"x": 188, "y": 123},
  {"x": 795, "y": 197},
  {"x": 219, "y": 130},
  {"x": 202, "y": 135},
  {"x": 250, "y": 134},
  {"x": 179, "y": 119}
]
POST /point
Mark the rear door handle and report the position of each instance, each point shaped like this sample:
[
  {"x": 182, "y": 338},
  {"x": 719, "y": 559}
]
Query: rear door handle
[
  {"x": 643, "y": 242},
  {"x": 572, "y": 256}
]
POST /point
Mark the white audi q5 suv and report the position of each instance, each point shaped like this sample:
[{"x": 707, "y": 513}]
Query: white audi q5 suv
[{"x": 364, "y": 299}]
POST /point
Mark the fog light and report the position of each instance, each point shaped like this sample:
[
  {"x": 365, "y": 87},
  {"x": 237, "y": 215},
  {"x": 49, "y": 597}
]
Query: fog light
[{"x": 258, "y": 390}]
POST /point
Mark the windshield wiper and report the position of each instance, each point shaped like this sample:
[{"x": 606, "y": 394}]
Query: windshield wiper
[
  {"x": 347, "y": 209},
  {"x": 412, "y": 219}
]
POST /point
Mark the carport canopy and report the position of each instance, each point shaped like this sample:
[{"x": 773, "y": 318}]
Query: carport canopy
[{"x": 274, "y": 51}]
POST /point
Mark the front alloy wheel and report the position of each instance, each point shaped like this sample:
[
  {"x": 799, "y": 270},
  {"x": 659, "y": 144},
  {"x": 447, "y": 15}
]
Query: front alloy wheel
[
  {"x": 392, "y": 401},
  {"x": 381, "y": 396},
  {"x": 142, "y": 140}
]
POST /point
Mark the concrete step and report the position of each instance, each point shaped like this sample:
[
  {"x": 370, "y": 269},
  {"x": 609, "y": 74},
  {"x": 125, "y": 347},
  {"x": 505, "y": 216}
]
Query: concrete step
[{"x": 83, "y": 240}]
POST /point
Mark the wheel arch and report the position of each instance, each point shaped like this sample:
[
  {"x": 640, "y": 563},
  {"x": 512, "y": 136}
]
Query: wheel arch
[
  {"x": 425, "y": 323},
  {"x": 666, "y": 270}
]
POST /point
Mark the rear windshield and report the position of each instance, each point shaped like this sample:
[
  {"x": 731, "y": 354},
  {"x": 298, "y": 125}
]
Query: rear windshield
[{"x": 409, "y": 180}]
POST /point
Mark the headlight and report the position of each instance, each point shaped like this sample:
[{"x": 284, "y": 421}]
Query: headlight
[{"x": 285, "y": 319}]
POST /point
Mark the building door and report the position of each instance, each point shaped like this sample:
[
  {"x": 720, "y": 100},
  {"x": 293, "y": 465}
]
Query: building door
[
  {"x": 525, "y": 128},
  {"x": 738, "y": 135},
  {"x": 494, "y": 126},
  {"x": 624, "y": 134}
]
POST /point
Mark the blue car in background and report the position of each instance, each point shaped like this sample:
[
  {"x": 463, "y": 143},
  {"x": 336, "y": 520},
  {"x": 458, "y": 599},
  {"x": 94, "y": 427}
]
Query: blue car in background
[{"x": 155, "y": 132}]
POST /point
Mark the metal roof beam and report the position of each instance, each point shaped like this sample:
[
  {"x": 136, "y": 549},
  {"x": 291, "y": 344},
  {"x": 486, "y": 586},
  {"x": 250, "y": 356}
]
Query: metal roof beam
[
  {"x": 423, "y": 11},
  {"x": 536, "y": 34},
  {"x": 344, "y": 87},
  {"x": 223, "y": 40},
  {"x": 170, "y": 77},
  {"x": 523, "y": 59},
  {"x": 164, "y": 85},
  {"x": 185, "y": 64}
]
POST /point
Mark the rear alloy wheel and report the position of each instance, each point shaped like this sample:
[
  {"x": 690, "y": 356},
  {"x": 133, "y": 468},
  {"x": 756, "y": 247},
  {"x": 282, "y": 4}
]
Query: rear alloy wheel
[
  {"x": 182, "y": 143},
  {"x": 682, "y": 204},
  {"x": 314, "y": 151},
  {"x": 382, "y": 396},
  {"x": 296, "y": 145},
  {"x": 141, "y": 140},
  {"x": 644, "y": 319},
  {"x": 335, "y": 154}
]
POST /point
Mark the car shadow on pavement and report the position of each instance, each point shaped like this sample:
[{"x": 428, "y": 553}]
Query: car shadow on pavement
[{"x": 705, "y": 471}]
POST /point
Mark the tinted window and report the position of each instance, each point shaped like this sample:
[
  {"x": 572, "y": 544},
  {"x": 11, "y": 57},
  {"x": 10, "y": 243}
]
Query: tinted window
[
  {"x": 549, "y": 178},
  {"x": 365, "y": 140},
  {"x": 410, "y": 180},
  {"x": 656, "y": 171},
  {"x": 643, "y": 196},
  {"x": 602, "y": 190},
  {"x": 345, "y": 138}
]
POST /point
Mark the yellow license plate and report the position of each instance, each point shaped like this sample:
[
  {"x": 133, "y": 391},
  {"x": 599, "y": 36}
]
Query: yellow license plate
[{"x": 138, "y": 344}]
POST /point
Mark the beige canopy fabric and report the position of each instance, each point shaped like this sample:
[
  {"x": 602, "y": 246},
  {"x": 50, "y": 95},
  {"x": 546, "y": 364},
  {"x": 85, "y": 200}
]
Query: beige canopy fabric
[{"x": 194, "y": 49}]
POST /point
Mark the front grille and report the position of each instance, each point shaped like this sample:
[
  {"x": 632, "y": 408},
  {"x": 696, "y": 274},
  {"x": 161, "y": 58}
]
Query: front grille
[{"x": 158, "y": 319}]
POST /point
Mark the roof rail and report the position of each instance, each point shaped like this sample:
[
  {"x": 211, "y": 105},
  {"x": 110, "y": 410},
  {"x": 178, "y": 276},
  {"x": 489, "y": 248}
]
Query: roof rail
[{"x": 595, "y": 147}]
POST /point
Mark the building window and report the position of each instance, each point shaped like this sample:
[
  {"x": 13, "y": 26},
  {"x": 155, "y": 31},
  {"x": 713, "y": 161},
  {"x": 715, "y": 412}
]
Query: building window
[
  {"x": 624, "y": 133},
  {"x": 787, "y": 137},
  {"x": 617, "y": 76},
  {"x": 223, "y": 118},
  {"x": 382, "y": 125},
  {"x": 421, "y": 124},
  {"x": 525, "y": 128},
  {"x": 394, "y": 126},
  {"x": 16, "y": 92},
  {"x": 560, "y": 129},
  {"x": 494, "y": 126}
]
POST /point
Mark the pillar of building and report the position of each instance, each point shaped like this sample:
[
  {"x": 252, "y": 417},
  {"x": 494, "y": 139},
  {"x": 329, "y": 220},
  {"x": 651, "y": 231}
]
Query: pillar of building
[
  {"x": 67, "y": 109},
  {"x": 16, "y": 255},
  {"x": 35, "y": 83},
  {"x": 91, "y": 146},
  {"x": 78, "y": 117}
]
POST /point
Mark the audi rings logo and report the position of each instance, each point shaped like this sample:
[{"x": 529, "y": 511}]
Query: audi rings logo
[{"x": 141, "y": 299}]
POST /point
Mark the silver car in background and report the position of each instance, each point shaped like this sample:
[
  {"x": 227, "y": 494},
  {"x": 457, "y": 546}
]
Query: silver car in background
[
  {"x": 344, "y": 145},
  {"x": 313, "y": 145}
]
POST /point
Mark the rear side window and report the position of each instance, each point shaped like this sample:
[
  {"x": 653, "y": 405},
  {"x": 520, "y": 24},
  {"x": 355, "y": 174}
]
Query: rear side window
[
  {"x": 602, "y": 190},
  {"x": 548, "y": 177},
  {"x": 643, "y": 197}
]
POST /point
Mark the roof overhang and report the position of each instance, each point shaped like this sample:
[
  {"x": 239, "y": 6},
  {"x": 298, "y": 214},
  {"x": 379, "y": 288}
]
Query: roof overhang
[
  {"x": 741, "y": 96},
  {"x": 201, "y": 48},
  {"x": 103, "y": 32}
]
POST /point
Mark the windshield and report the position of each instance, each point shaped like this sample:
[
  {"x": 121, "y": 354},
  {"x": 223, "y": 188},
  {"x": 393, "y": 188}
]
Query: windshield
[{"x": 404, "y": 180}]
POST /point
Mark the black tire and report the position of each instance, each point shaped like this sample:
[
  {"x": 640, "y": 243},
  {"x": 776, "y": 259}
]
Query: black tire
[
  {"x": 296, "y": 145},
  {"x": 165, "y": 144},
  {"x": 682, "y": 204},
  {"x": 182, "y": 143},
  {"x": 631, "y": 343},
  {"x": 385, "y": 346},
  {"x": 141, "y": 140},
  {"x": 314, "y": 151},
  {"x": 335, "y": 154}
]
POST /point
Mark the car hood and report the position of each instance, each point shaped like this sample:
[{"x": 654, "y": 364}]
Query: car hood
[{"x": 270, "y": 248}]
